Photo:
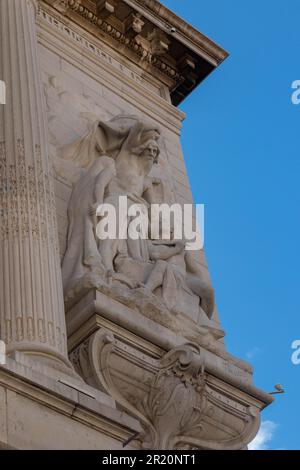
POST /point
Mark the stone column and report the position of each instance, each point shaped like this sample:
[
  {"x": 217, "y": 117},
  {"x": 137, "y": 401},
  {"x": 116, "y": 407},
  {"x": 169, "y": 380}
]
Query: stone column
[{"x": 32, "y": 316}]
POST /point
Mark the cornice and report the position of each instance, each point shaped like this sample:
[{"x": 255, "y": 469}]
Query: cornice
[
  {"x": 70, "y": 41},
  {"x": 185, "y": 32},
  {"x": 152, "y": 37}
]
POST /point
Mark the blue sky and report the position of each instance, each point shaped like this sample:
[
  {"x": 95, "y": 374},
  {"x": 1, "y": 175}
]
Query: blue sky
[{"x": 240, "y": 141}]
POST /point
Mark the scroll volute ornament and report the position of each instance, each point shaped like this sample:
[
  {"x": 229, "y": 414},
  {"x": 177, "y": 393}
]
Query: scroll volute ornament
[
  {"x": 175, "y": 401},
  {"x": 178, "y": 403}
]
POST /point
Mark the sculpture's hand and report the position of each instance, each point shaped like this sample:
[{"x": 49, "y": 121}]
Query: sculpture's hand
[
  {"x": 180, "y": 244},
  {"x": 93, "y": 209},
  {"x": 109, "y": 275},
  {"x": 155, "y": 180},
  {"x": 138, "y": 199}
]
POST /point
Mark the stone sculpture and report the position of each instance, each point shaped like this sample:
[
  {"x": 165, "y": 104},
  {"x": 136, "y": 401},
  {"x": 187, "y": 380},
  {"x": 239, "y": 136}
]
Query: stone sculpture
[
  {"x": 128, "y": 355},
  {"x": 117, "y": 158},
  {"x": 171, "y": 397}
]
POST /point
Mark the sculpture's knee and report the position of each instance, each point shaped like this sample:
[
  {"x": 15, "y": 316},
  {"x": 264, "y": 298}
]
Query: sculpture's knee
[{"x": 208, "y": 300}]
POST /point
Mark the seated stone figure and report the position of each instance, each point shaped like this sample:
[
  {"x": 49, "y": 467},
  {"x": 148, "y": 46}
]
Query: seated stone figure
[
  {"x": 179, "y": 270},
  {"x": 116, "y": 159}
]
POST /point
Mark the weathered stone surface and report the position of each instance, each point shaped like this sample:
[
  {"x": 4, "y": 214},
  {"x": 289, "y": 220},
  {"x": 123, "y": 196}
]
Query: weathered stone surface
[
  {"x": 38, "y": 412},
  {"x": 113, "y": 161},
  {"x": 3, "y": 416},
  {"x": 31, "y": 310},
  {"x": 182, "y": 400},
  {"x": 95, "y": 98}
]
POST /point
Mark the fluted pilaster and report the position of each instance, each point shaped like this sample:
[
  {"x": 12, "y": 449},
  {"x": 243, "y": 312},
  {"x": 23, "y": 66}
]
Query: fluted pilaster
[{"x": 31, "y": 300}]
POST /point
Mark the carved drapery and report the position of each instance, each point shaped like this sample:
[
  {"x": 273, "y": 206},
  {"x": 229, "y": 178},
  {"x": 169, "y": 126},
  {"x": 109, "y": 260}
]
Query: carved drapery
[{"x": 116, "y": 159}]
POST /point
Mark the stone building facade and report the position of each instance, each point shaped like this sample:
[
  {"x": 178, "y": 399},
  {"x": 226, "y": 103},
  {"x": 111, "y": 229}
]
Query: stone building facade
[{"x": 105, "y": 343}]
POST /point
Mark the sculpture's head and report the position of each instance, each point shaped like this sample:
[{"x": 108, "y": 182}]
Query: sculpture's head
[
  {"x": 147, "y": 149},
  {"x": 150, "y": 151},
  {"x": 143, "y": 140}
]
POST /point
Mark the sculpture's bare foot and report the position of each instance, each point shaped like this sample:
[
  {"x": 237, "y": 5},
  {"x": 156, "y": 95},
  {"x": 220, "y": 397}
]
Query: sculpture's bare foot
[
  {"x": 144, "y": 289},
  {"x": 123, "y": 279},
  {"x": 140, "y": 284}
]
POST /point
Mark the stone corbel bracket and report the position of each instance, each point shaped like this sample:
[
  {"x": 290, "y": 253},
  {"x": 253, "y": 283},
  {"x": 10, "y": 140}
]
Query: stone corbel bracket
[
  {"x": 179, "y": 404},
  {"x": 106, "y": 8}
]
